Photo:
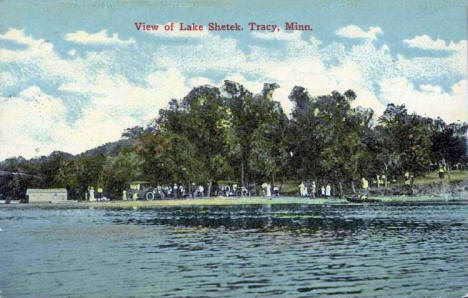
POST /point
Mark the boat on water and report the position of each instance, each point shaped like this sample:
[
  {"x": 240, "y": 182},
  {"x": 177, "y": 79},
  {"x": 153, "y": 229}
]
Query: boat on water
[{"x": 360, "y": 199}]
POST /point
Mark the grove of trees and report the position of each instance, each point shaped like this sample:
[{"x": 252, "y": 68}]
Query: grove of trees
[{"x": 230, "y": 134}]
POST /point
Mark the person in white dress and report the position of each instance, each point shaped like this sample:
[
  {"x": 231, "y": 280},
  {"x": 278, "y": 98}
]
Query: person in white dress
[
  {"x": 201, "y": 190},
  {"x": 91, "y": 195},
  {"x": 313, "y": 189},
  {"x": 268, "y": 190},
  {"x": 303, "y": 189},
  {"x": 328, "y": 191}
]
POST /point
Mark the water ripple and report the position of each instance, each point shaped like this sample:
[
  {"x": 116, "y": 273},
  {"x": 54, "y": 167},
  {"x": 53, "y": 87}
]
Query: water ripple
[{"x": 279, "y": 250}]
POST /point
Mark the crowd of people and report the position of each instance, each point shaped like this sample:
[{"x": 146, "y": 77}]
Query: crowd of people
[{"x": 307, "y": 188}]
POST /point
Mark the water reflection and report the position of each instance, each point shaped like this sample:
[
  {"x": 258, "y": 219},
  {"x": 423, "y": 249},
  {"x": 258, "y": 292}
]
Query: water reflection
[
  {"x": 294, "y": 218},
  {"x": 277, "y": 250}
]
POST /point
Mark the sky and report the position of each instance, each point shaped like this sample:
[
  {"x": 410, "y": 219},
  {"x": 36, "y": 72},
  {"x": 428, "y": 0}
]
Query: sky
[{"x": 74, "y": 74}]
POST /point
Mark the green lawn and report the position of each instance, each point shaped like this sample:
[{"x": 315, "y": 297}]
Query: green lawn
[{"x": 433, "y": 177}]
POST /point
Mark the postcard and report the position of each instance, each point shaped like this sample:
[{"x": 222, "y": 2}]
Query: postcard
[{"x": 221, "y": 148}]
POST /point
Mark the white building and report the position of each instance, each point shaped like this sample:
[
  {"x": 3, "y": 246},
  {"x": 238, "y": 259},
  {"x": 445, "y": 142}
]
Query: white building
[{"x": 50, "y": 195}]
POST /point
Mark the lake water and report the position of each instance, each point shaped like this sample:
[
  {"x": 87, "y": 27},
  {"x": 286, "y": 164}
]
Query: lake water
[{"x": 280, "y": 250}]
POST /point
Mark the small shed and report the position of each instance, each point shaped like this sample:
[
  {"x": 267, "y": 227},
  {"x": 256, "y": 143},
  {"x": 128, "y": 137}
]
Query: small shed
[{"x": 49, "y": 195}]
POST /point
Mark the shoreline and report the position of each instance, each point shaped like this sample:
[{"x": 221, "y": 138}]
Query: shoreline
[{"x": 223, "y": 201}]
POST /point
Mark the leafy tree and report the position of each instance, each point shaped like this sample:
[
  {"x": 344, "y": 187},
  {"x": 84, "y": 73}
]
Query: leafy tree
[
  {"x": 329, "y": 137},
  {"x": 118, "y": 171},
  {"x": 201, "y": 119},
  {"x": 256, "y": 123},
  {"x": 80, "y": 173},
  {"x": 170, "y": 158},
  {"x": 406, "y": 144},
  {"x": 211, "y": 135}
]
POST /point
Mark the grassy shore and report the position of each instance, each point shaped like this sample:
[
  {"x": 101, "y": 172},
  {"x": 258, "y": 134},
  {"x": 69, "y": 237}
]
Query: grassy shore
[
  {"x": 220, "y": 201},
  {"x": 433, "y": 177},
  {"x": 291, "y": 188},
  {"x": 460, "y": 177}
]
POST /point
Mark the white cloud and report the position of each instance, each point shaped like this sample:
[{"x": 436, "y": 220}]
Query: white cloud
[
  {"x": 428, "y": 100},
  {"x": 17, "y": 35},
  {"x": 40, "y": 60},
  {"x": 72, "y": 52},
  {"x": 31, "y": 123},
  {"x": 213, "y": 53},
  {"x": 425, "y": 42},
  {"x": 453, "y": 64},
  {"x": 34, "y": 47},
  {"x": 353, "y": 31},
  {"x": 278, "y": 35},
  {"x": 199, "y": 81},
  {"x": 7, "y": 79},
  {"x": 118, "y": 104},
  {"x": 34, "y": 123},
  {"x": 304, "y": 63},
  {"x": 83, "y": 37},
  {"x": 117, "y": 101}
]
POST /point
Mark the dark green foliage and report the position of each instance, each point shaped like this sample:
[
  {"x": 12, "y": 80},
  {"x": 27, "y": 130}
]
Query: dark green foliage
[
  {"x": 328, "y": 143},
  {"x": 232, "y": 134},
  {"x": 404, "y": 141}
]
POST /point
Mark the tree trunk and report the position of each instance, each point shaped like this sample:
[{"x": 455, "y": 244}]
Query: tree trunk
[
  {"x": 242, "y": 173},
  {"x": 386, "y": 178},
  {"x": 353, "y": 187},
  {"x": 341, "y": 189},
  {"x": 209, "y": 188}
]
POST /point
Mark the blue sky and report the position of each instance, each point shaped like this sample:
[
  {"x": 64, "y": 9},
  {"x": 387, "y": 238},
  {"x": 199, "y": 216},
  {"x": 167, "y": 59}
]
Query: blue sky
[{"x": 74, "y": 74}]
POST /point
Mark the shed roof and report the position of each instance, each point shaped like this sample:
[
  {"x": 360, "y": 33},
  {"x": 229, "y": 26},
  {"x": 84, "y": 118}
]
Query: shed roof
[{"x": 46, "y": 190}]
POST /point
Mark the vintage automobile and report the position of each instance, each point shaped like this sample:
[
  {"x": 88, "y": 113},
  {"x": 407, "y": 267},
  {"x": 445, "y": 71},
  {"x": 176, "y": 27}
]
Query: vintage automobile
[
  {"x": 138, "y": 189},
  {"x": 144, "y": 190},
  {"x": 157, "y": 193}
]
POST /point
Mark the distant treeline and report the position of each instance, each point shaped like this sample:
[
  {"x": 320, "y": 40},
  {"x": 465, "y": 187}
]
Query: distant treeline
[{"x": 230, "y": 134}]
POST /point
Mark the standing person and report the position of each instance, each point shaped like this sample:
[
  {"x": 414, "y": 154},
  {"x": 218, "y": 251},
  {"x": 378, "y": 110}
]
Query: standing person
[
  {"x": 182, "y": 190},
  {"x": 264, "y": 186},
  {"x": 159, "y": 192},
  {"x": 441, "y": 172},
  {"x": 384, "y": 180},
  {"x": 91, "y": 194},
  {"x": 276, "y": 191},
  {"x": 244, "y": 191},
  {"x": 124, "y": 195},
  {"x": 313, "y": 189},
  {"x": 409, "y": 182},
  {"x": 175, "y": 189},
  {"x": 365, "y": 187},
  {"x": 328, "y": 191},
  {"x": 406, "y": 178},
  {"x": 201, "y": 190},
  {"x": 302, "y": 189},
  {"x": 193, "y": 191},
  {"x": 99, "y": 193},
  {"x": 322, "y": 191},
  {"x": 268, "y": 190}
]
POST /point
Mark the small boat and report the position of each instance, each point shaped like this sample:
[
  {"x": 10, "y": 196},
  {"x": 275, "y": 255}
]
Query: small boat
[{"x": 360, "y": 199}]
